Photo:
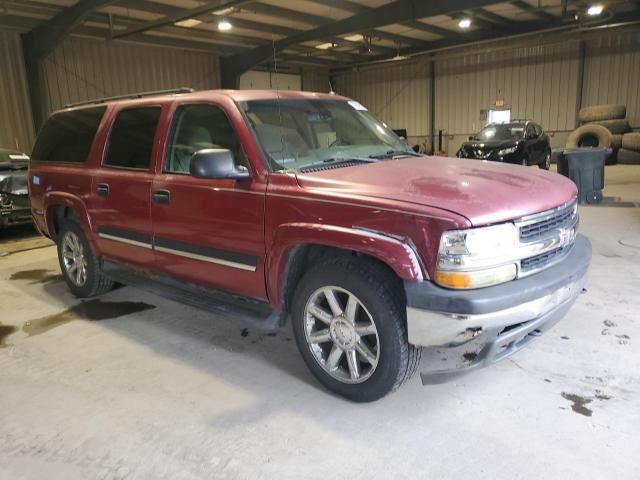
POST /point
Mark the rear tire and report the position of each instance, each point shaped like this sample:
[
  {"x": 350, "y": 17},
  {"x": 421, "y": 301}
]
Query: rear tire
[
  {"x": 372, "y": 335},
  {"x": 80, "y": 267}
]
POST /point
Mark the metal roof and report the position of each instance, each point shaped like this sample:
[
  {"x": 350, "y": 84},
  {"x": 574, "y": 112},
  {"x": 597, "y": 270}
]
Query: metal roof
[{"x": 353, "y": 31}]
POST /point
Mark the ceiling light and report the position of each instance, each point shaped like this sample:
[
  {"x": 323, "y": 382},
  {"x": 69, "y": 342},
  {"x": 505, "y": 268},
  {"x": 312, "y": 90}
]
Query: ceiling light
[
  {"x": 224, "y": 25},
  {"x": 595, "y": 10},
  {"x": 354, "y": 38},
  {"x": 325, "y": 46},
  {"x": 464, "y": 23},
  {"x": 189, "y": 22}
]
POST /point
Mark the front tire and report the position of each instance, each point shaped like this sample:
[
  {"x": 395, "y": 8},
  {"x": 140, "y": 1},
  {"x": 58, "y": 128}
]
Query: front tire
[
  {"x": 80, "y": 267},
  {"x": 546, "y": 164},
  {"x": 349, "y": 323}
]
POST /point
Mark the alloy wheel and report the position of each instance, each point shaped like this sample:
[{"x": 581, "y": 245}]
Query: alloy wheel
[
  {"x": 73, "y": 258},
  {"x": 341, "y": 335}
]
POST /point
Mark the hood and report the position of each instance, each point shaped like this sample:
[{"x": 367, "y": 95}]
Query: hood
[{"x": 484, "y": 192}]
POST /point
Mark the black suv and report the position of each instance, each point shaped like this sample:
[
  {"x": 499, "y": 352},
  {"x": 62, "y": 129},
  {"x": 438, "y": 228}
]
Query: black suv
[{"x": 521, "y": 142}]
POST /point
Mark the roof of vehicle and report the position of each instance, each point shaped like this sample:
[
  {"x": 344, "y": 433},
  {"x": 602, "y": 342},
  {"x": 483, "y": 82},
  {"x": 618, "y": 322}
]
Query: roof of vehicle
[{"x": 236, "y": 95}]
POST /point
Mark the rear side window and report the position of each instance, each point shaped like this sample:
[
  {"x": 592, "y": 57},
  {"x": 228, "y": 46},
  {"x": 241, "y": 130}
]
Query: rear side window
[
  {"x": 131, "y": 140},
  {"x": 67, "y": 136}
]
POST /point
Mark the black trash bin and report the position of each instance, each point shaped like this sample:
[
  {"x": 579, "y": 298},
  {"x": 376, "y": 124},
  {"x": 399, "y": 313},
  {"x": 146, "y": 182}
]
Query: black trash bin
[{"x": 585, "y": 166}]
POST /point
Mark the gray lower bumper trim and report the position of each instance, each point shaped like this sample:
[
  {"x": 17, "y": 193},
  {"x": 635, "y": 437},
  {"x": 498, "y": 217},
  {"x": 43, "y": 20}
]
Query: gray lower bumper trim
[{"x": 501, "y": 346}]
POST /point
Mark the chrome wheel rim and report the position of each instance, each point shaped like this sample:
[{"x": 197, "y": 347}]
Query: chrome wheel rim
[
  {"x": 341, "y": 335},
  {"x": 75, "y": 263}
]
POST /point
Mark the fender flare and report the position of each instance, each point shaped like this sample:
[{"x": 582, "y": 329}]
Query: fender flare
[
  {"x": 66, "y": 199},
  {"x": 396, "y": 252}
]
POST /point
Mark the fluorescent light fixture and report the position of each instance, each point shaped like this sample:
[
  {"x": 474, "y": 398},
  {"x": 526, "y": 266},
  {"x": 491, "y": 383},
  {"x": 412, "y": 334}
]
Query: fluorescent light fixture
[
  {"x": 224, "y": 25},
  {"x": 189, "y": 22},
  {"x": 354, "y": 38},
  {"x": 595, "y": 10},
  {"x": 464, "y": 23},
  {"x": 325, "y": 46},
  {"x": 224, "y": 11}
]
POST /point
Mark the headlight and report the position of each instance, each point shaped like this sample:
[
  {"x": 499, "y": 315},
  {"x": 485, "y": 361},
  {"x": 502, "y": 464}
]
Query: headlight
[
  {"x": 5, "y": 200},
  {"x": 473, "y": 258},
  {"x": 507, "y": 151}
]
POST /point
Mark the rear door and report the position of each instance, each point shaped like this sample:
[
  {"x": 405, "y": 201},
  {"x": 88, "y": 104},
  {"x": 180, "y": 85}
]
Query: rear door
[
  {"x": 120, "y": 194},
  {"x": 208, "y": 231}
]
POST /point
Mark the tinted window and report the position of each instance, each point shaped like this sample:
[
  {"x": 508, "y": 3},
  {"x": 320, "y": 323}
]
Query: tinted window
[
  {"x": 538, "y": 129},
  {"x": 67, "y": 136},
  {"x": 196, "y": 127},
  {"x": 506, "y": 131},
  {"x": 131, "y": 140},
  {"x": 531, "y": 131}
]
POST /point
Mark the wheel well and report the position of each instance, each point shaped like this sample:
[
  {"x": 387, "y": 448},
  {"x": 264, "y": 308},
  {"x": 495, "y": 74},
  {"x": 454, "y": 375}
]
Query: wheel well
[
  {"x": 305, "y": 256},
  {"x": 57, "y": 214}
]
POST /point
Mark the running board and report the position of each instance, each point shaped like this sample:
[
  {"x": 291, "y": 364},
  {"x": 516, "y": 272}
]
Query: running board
[{"x": 257, "y": 314}]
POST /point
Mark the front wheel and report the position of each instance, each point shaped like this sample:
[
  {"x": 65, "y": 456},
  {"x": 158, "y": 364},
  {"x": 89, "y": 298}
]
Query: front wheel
[
  {"x": 349, "y": 324},
  {"x": 546, "y": 165}
]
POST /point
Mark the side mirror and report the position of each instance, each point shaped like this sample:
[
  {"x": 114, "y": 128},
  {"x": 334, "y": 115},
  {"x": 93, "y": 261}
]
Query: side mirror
[{"x": 216, "y": 163}]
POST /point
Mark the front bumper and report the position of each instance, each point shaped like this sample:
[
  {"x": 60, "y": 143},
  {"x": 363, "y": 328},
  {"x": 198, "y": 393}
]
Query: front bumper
[
  {"x": 14, "y": 216},
  {"x": 502, "y": 319}
]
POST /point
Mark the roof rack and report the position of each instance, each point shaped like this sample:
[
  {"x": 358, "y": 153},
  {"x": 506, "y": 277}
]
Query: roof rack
[{"x": 131, "y": 95}]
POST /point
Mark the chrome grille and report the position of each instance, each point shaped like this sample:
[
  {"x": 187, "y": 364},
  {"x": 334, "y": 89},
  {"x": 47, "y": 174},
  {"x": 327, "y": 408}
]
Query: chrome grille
[{"x": 541, "y": 225}]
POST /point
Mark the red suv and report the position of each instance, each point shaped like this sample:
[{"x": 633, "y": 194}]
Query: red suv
[{"x": 271, "y": 206}]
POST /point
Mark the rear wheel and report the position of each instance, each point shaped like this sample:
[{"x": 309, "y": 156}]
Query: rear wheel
[
  {"x": 80, "y": 267},
  {"x": 349, "y": 324}
]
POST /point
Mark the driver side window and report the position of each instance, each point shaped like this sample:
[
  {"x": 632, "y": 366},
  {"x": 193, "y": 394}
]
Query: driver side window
[
  {"x": 196, "y": 127},
  {"x": 531, "y": 131}
]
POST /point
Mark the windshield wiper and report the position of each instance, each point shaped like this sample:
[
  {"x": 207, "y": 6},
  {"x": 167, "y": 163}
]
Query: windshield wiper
[
  {"x": 395, "y": 153},
  {"x": 333, "y": 161}
]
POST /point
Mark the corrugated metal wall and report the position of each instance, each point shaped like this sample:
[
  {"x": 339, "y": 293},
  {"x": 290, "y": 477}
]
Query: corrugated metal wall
[
  {"x": 612, "y": 73},
  {"x": 82, "y": 69},
  {"x": 398, "y": 94},
  {"x": 538, "y": 83},
  {"x": 315, "y": 80},
  {"x": 16, "y": 124}
]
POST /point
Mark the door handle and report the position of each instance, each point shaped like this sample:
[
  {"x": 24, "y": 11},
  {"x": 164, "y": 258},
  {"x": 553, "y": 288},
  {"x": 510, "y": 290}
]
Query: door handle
[
  {"x": 102, "y": 189},
  {"x": 161, "y": 196}
]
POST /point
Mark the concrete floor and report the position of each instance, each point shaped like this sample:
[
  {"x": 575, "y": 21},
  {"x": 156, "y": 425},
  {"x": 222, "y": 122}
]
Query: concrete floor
[{"x": 136, "y": 386}]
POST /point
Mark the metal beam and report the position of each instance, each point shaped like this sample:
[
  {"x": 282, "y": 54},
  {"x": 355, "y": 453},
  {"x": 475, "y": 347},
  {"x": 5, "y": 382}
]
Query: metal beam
[
  {"x": 45, "y": 37},
  {"x": 178, "y": 16},
  {"x": 395, "y": 12},
  {"x": 491, "y": 17},
  {"x": 544, "y": 15},
  {"x": 353, "y": 7},
  {"x": 280, "y": 12},
  {"x": 41, "y": 41}
]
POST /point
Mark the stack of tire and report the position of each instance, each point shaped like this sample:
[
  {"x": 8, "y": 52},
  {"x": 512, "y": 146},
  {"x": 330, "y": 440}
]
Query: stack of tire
[
  {"x": 629, "y": 154},
  {"x": 603, "y": 126}
]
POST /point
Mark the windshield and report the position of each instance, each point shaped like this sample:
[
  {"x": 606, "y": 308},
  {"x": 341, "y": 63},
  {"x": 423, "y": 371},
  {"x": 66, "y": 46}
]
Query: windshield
[
  {"x": 507, "y": 131},
  {"x": 302, "y": 133}
]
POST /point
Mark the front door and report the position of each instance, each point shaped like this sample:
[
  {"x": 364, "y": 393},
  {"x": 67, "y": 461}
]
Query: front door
[
  {"x": 208, "y": 232},
  {"x": 120, "y": 194}
]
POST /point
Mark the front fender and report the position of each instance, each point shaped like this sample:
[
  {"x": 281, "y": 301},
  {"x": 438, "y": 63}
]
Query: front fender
[
  {"x": 395, "y": 252},
  {"x": 53, "y": 199}
]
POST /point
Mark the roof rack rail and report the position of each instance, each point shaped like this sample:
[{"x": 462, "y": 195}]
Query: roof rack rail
[{"x": 131, "y": 95}]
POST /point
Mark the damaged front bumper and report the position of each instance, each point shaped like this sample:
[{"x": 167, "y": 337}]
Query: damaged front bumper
[
  {"x": 500, "y": 319},
  {"x": 13, "y": 216}
]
